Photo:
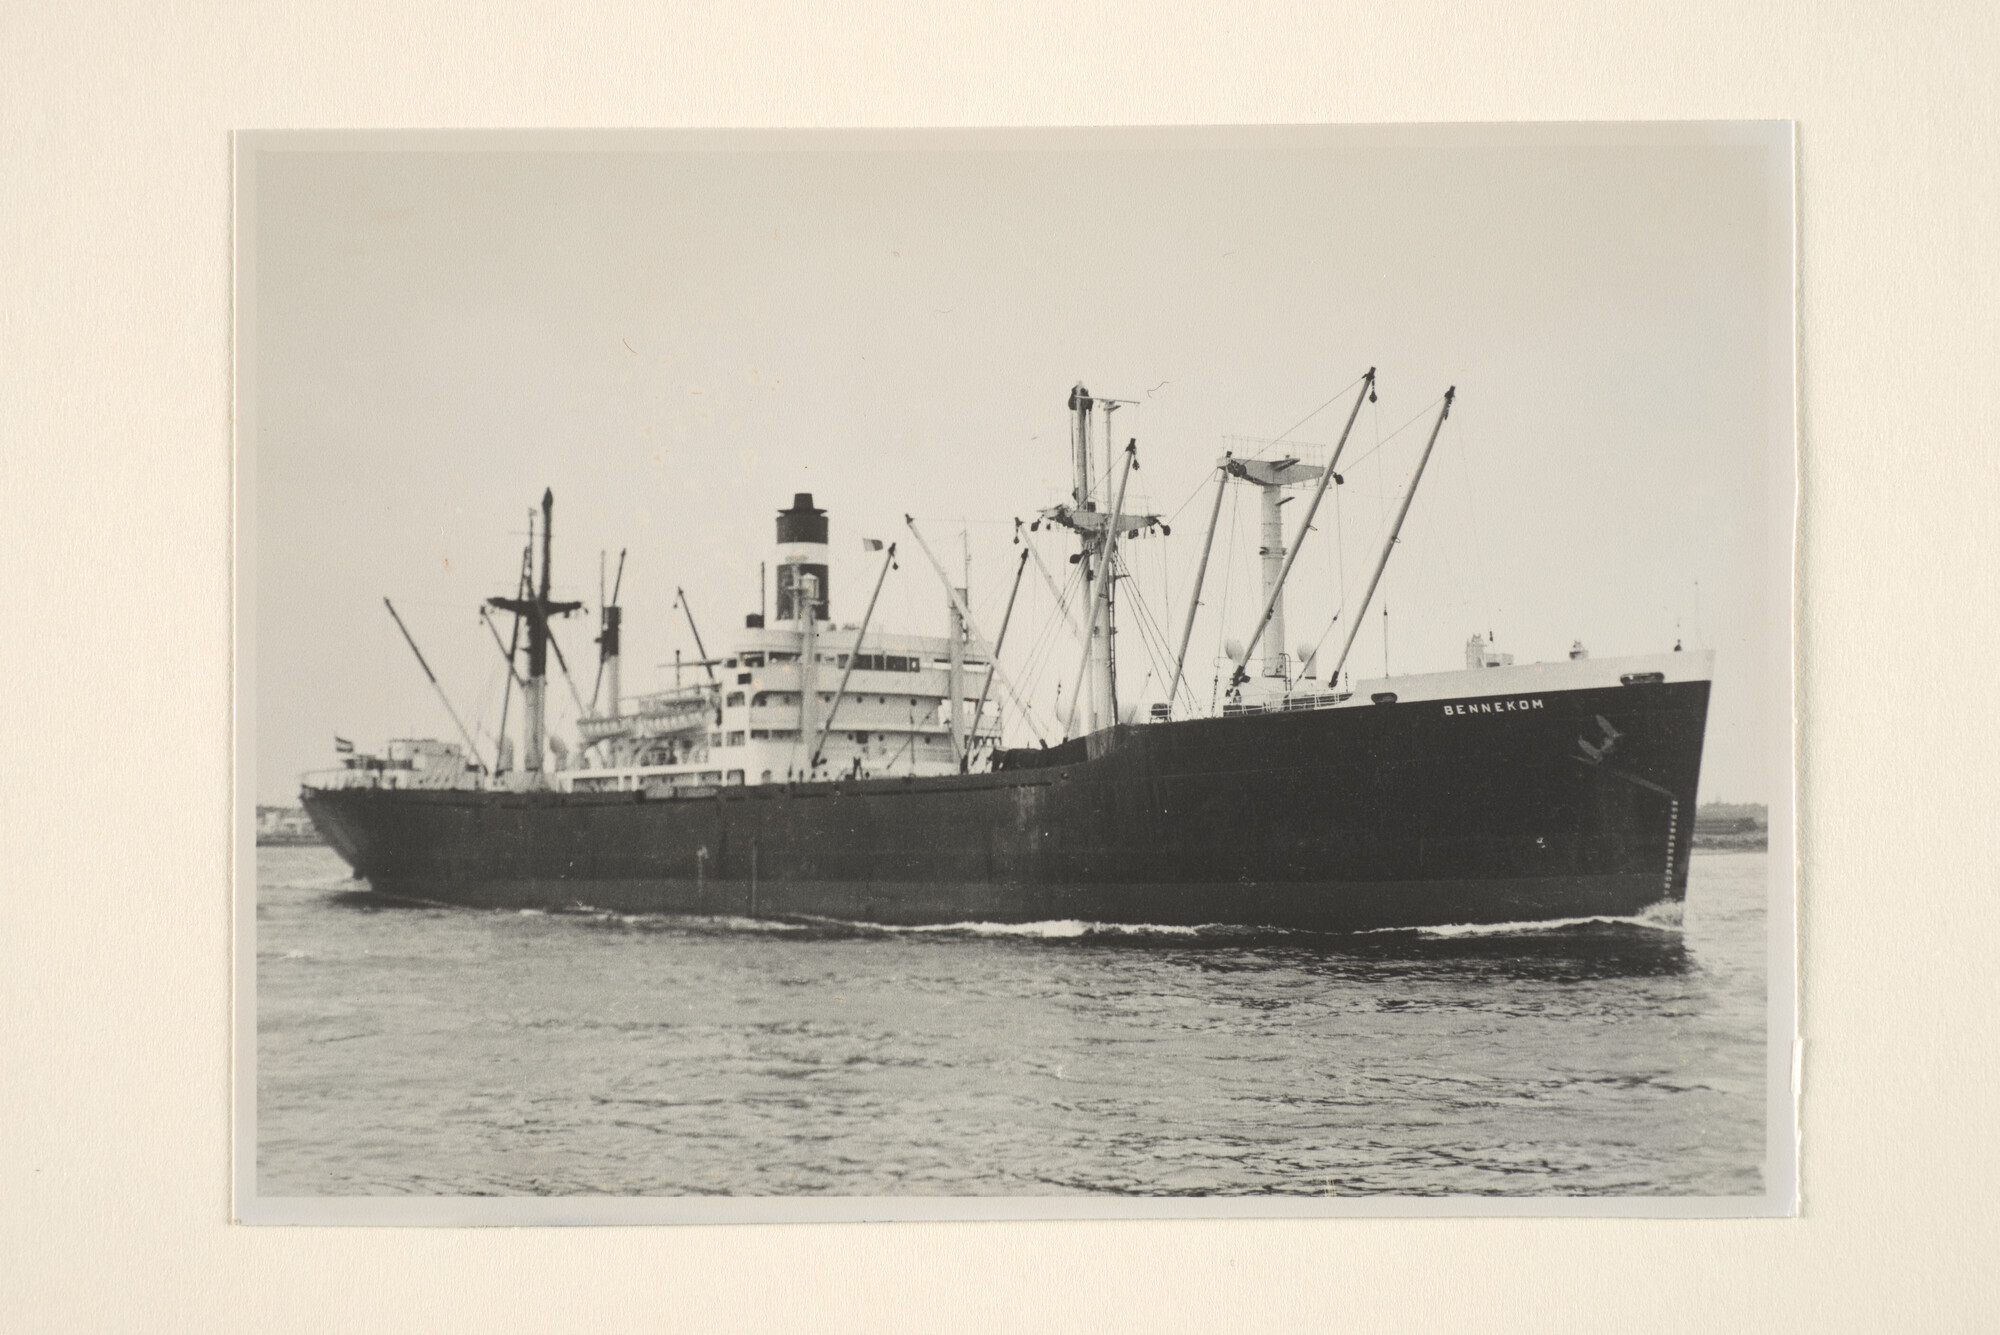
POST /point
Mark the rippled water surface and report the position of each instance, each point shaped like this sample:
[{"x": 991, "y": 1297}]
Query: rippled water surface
[{"x": 445, "y": 1051}]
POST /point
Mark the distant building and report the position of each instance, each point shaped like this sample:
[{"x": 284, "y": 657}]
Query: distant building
[
  {"x": 1732, "y": 825},
  {"x": 285, "y": 825}
]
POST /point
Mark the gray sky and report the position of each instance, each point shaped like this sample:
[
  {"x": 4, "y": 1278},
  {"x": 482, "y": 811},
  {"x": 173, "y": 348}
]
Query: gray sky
[{"x": 678, "y": 339}]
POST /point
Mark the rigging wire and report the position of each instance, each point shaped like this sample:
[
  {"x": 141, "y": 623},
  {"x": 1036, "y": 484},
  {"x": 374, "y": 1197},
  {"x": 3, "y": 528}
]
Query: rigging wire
[
  {"x": 1042, "y": 647},
  {"x": 1382, "y": 522},
  {"x": 1381, "y": 440},
  {"x": 1151, "y": 639},
  {"x": 1484, "y": 590},
  {"x": 1337, "y": 563},
  {"x": 1166, "y": 586},
  {"x": 1045, "y": 627},
  {"x": 1201, "y": 483},
  {"x": 482, "y": 707},
  {"x": 1222, "y": 602},
  {"x": 1341, "y": 394},
  {"x": 1451, "y": 582}
]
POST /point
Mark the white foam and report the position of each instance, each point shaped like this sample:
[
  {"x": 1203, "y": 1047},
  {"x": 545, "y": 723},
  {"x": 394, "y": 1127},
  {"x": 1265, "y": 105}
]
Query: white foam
[
  {"x": 740, "y": 924},
  {"x": 725, "y": 921},
  {"x": 1667, "y": 915},
  {"x": 1664, "y": 916},
  {"x": 1052, "y": 929}
]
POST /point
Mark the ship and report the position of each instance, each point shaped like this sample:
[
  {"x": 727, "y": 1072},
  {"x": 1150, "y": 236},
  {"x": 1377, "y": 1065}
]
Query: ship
[{"x": 821, "y": 770}]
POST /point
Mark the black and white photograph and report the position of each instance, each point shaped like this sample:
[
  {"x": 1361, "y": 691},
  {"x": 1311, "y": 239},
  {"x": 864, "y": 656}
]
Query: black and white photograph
[{"x": 812, "y": 675}]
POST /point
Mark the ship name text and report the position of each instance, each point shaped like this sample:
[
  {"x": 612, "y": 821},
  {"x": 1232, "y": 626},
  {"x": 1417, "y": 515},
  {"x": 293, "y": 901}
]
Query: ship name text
[{"x": 1496, "y": 706}]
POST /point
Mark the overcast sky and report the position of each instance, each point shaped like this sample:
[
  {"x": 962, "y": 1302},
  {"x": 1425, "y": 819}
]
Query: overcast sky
[{"x": 677, "y": 335}]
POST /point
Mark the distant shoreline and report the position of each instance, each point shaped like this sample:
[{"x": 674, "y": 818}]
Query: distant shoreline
[
  {"x": 280, "y": 827},
  {"x": 1732, "y": 826}
]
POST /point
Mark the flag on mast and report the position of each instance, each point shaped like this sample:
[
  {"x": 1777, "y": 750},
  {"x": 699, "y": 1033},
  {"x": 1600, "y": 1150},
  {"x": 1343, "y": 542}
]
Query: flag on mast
[
  {"x": 342, "y": 745},
  {"x": 871, "y": 544}
]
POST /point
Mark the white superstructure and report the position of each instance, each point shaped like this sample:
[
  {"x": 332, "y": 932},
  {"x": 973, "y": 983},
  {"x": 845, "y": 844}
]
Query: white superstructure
[
  {"x": 773, "y": 708},
  {"x": 750, "y": 725}
]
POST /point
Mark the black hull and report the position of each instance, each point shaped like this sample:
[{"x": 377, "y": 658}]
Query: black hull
[{"x": 1341, "y": 819}]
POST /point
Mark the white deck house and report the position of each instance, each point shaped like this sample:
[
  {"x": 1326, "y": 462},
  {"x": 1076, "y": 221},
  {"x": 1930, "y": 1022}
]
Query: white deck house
[{"x": 754, "y": 723}]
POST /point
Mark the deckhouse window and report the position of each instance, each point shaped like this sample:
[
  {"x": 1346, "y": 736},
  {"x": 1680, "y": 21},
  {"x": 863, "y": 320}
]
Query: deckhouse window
[{"x": 883, "y": 663}]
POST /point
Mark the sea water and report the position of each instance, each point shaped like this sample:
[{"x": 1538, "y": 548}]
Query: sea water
[{"x": 448, "y": 1051}]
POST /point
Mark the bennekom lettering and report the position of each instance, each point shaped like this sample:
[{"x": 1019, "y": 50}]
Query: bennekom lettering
[{"x": 1497, "y": 706}]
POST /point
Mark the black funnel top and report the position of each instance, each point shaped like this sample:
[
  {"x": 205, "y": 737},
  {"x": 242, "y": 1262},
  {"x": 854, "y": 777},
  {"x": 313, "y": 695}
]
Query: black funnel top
[{"x": 802, "y": 523}]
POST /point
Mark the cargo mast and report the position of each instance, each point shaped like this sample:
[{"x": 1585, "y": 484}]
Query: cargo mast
[
  {"x": 607, "y": 639},
  {"x": 1098, "y": 690},
  {"x": 1270, "y": 477},
  {"x": 537, "y": 611},
  {"x": 1097, "y": 697}
]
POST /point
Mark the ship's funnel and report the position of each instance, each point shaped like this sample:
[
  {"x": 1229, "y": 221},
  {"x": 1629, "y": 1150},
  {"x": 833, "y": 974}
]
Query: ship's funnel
[{"x": 802, "y": 534}]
